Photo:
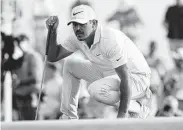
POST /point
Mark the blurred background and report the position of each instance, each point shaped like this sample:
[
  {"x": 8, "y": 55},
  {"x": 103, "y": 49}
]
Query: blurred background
[{"x": 156, "y": 27}]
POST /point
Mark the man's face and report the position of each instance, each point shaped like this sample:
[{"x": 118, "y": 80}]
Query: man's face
[{"x": 82, "y": 31}]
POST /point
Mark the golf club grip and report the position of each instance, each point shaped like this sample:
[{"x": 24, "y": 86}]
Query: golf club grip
[{"x": 48, "y": 40}]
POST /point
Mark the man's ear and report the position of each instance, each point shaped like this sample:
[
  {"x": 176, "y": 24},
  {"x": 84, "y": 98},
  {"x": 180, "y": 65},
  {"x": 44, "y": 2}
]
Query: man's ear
[{"x": 94, "y": 23}]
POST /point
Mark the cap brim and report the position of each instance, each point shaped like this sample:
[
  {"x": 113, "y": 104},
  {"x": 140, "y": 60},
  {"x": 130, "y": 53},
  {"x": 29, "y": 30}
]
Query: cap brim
[{"x": 81, "y": 21}]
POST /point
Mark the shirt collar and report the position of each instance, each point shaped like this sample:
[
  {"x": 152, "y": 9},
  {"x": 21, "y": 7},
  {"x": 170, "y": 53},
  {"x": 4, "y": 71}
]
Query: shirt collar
[{"x": 97, "y": 34}]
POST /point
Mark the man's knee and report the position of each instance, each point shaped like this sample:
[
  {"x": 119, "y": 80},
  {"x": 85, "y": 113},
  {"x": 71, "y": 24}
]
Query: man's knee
[
  {"x": 73, "y": 59},
  {"x": 71, "y": 63},
  {"x": 104, "y": 91}
]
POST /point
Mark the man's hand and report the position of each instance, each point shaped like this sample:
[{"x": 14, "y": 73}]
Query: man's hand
[{"x": 53, "y": 22}]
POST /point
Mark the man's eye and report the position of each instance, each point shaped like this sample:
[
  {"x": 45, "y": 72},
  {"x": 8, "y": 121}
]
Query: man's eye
[{"x": 74, "y": 24}]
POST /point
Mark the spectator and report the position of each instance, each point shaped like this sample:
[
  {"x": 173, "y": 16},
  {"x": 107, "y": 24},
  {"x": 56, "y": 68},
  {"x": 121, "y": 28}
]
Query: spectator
[
  {"x": 8, "y": 63},
  {"x": 154, "y": 60},
  {"x": 127, "y": 18},
  {"x": 157, "y": 74},
  {"x": 170, "y": 108},
  {"x": 50, "y": 107},
  {"x": 26, "y": 79},
  {"x": 174, "y": 25},
  {"x": 7, "y": 50},
  {"x": 174, "y": 78}
]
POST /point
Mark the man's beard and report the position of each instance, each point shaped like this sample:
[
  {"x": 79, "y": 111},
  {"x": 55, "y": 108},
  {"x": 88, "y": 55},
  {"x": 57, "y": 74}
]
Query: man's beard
[{"x": 80, "y": 38}]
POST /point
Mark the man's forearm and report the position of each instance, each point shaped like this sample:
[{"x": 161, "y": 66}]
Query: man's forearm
[
  {"x": 53, "y": 47},
  {"x": 125, "y": 90},
  {"x": 55, "y": 51}
]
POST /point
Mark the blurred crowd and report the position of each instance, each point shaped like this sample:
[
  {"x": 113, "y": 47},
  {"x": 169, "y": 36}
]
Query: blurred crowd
[{"x": 26, "y": 64}]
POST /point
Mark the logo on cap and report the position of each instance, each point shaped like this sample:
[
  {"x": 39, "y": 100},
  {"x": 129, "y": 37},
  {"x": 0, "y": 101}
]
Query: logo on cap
[
  {"x": 118, "y": 59},
  {"x": 77, "y": 13}
]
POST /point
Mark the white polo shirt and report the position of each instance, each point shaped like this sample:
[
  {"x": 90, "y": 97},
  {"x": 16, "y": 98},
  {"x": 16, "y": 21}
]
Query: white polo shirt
[{"x": 111, "y": 49}]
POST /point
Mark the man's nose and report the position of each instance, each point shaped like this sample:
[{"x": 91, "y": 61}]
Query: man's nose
[{"x": 78, "y": 27}]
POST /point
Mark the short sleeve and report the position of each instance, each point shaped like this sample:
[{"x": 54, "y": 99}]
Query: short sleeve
[
  {"x": 117, "y": 53},
  {"x": 70, "y": 43}
]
